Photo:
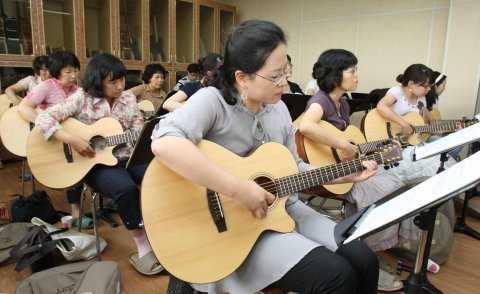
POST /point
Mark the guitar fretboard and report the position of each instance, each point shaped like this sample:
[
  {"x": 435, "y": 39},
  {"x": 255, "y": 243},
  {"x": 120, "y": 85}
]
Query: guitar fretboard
[
  {"x": 372, "y": 146},
  {"x": 444, "y": 125},
  {"x": 294, "y": 183},
  {"x": 122, "y": 138}
]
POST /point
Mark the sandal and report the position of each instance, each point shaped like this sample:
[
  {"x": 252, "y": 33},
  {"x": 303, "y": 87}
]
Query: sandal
[
  {"x": 388, "y": 282},
  {"x": 87, "y": 223},
  {"x": 147, "y": 265}
]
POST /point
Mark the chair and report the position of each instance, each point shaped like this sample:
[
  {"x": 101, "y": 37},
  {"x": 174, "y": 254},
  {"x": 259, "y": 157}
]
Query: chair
[
  {"x": 101, "y": 213},
  {"x": 376, "y": 95}
]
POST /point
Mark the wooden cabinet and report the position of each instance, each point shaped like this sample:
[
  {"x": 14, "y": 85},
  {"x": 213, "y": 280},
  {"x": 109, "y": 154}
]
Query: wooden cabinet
[{"x": 174, "y": 33}]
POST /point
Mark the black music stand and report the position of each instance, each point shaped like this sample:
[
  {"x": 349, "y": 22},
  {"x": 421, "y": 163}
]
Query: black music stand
[
  {"x": 296, "y": 104},
  {"x": 434, "y": 191},
  {"x": 142, "y": 153},
  {"x": 362, "y": 102}
]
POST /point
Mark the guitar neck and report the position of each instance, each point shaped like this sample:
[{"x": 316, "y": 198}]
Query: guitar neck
[
  {"x": 444, "y": 125},
  {"x": 294, "y": 183},
  {"x": 372, "y": 146},
  {"x": 122, "y": 138}
]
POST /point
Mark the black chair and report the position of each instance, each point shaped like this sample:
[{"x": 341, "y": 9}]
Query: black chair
[{"x": 376, "y": 95}]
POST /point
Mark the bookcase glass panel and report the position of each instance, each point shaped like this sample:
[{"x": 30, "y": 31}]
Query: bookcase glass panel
[
  {"x": 159, "y": 31},
  {"x": 98, "y": 27},
  {"x": 226, "y": 25},
  {"x": 59, "y": 27},
  {"x": 207, "y": 30},
  {"x": 184, "y": 32},
  {"x": 131, "y": 29},
  {"x": 15, "y": 28}
]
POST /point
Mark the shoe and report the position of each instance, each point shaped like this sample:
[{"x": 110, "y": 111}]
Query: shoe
[
  {"x": 87, "y": 223},
  {"x": 388, "y": 282},
  {"x": 147, "y": 265},
  {"x": 432, "y": 266},
  {"x": 384, "y": 265}
]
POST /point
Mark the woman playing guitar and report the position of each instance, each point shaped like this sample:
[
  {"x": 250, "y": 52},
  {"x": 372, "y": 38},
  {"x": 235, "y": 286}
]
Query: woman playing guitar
[{"x": 241, "y": 112}]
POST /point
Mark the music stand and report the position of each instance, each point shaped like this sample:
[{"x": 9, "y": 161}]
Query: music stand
[
  {"x": 362, "y": 105},
  {"x": 296, "y": 104},
  {"x": 142, "y": 152},
  {"x": 434, "y": 192}
]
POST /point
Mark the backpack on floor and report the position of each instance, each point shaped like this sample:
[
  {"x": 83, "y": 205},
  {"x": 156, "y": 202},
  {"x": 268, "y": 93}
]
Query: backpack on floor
[
  {"x": 80, "y": 277},
  {"x": 442, "y": 241}
]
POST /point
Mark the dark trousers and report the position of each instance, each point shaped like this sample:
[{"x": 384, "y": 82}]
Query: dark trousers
[
  {"x": 353, "y": 268},
  {"x": 122, "y": 186}
]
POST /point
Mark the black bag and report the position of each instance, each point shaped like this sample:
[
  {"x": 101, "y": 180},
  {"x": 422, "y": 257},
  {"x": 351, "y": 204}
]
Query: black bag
[
  {"x": 38, "y": 204},
  {"x": 35, "y": 249}
]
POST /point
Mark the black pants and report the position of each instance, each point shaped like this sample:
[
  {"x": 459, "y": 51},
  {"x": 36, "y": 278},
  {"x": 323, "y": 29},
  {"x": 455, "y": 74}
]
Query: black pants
[
  {"x": 121, "y": 185},
  {"x": 353, "y": 268}
]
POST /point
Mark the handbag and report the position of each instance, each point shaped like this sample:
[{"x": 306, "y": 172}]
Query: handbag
[
  {"x": 75, "y": 245},
  {"x": 36, "y": 205},
  {"x": 35, "y": 250},
  {"x": 10, "y": 235},
  {"x": 81, "y": 277}
]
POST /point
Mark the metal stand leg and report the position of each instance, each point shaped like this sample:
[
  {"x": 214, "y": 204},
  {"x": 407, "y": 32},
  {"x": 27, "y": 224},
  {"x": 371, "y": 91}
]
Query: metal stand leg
[
  {"x": 417, "y": 281},
  {"x": 461, "y": 225},
  {"x": 95, "y": 225}
]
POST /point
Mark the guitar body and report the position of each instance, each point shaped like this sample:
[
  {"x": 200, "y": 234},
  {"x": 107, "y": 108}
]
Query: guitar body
[
  {"x": 146, "y": 106},
  {"x": 49, "y": 164},
  {"x": 180, "y": 227},
  {"x": 323, "y": 155},
  {"x": 376, "y": 126},
  {"x": 14, "y": 130}
]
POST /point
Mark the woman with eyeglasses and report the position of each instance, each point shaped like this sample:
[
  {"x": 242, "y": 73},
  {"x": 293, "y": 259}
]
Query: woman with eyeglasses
[
  {"x": 337, "y": 73},
  {"x": 242, "y": 111},
  {"x": 408, "y": 97}
]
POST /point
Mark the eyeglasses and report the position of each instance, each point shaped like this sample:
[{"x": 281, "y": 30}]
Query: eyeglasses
[
  {"x": 352, "y": 70},
  {"x": 278, "y": 79},
  {"x": 426, "y": 86}
]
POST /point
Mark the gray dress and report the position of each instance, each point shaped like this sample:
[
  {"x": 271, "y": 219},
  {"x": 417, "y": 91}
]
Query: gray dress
[{"x": 206, "y": 115}]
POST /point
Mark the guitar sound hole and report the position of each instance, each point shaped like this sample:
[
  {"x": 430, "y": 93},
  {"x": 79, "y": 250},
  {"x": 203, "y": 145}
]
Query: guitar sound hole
[
  {"x": 269, "y": 185},
  {"x": 98, "y": 143}
]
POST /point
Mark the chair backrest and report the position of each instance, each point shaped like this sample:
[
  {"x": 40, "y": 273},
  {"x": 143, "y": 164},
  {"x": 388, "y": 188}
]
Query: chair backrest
[{"x": 161, "y": 110}]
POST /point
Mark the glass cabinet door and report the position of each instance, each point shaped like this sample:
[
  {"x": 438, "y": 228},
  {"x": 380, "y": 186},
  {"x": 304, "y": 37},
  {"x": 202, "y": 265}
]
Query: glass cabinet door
[
  {"x": 131, "y": 29},
  {"x": 98, "y": 27},
  {"x": 184, "y": 32},
  {"x": 206, "y": 36},
  {"x": 58, "y": 26},
  {"x": 227, "y": 21},
  {"x": 15, "y": 28},
  {"x": 159, "y": 31}
]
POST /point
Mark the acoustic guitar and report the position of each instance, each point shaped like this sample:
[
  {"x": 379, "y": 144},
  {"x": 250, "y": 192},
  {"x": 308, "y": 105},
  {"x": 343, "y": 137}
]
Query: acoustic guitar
[
  {"x": 377, "y": 127},
  {"x": 57, "y": 165},
  {"x": 322, "y": 155},
  {"x": 146, "y": 108},
  {"x": 14, "y": 130},
  {"x": 200, "y": 236}
]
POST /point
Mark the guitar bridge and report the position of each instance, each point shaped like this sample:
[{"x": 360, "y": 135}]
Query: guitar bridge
[
  {"x": 67, "y": 150},
  {"x": 215, "y": 207}
]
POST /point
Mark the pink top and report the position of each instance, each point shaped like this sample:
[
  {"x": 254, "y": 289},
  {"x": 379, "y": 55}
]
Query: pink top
[
  {"x": 30, "y": 82},
  {"x": 88, "y": 110},
  {"x": 49, "y": 92}
]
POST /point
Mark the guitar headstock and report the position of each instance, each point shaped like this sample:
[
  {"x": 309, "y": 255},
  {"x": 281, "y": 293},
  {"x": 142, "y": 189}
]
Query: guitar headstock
[
  {"x": 391, "y": 154},
  {"x": 402, "y": 140}
]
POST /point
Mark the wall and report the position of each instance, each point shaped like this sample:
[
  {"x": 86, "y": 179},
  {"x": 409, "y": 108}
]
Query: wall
[{"x": 386, "y": 36}]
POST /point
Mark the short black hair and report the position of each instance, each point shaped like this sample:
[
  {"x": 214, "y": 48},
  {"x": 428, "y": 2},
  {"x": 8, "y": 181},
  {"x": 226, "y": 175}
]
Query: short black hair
[
  {"x": 103, "y": 65},
  {"x": 59, "y": 60},
  {"x": 38, "y": 62},
  {"x": 210, "y": 62},
  {"x": 328, "y": 70},
  {"x": 150, "y": 70},
  {"x": 193, "y": 68}
]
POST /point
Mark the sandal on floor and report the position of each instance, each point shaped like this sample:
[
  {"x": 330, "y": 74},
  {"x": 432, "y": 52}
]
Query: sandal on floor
[
  {"x": 384, "y": 264},
  {"x": 147, "y": 265},
  {"x": 388, "y": 282},
  {"x": 87, "y": 223}
]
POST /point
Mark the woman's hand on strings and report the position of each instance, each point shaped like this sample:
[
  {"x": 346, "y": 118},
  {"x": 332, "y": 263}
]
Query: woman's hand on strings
[{"x": 253, "y": 197}]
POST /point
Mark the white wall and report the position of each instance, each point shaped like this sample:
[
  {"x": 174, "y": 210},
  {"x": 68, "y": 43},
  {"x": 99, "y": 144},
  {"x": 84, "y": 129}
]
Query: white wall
[{"x": 386, "y": 36}]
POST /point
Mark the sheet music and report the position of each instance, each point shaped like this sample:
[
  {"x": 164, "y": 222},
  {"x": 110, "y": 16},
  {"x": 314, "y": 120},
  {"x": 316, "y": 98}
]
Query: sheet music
[
  {"x": 459, "y": 138},
  {"x": 418, "y": 198}
]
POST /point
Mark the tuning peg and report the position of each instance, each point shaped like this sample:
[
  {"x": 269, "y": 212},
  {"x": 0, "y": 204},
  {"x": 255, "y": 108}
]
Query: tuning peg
[
  {"x": 396, "y": 164},
  {"x": 386, "y": 167}
]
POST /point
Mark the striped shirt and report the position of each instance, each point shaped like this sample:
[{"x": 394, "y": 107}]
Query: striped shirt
[{"x": 49, "y": 92}]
